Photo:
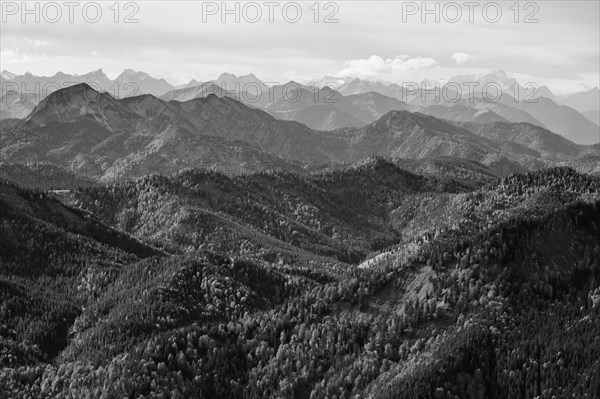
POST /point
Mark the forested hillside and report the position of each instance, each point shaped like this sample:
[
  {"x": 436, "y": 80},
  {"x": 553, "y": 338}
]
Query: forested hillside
[{"x": 369, "y": 281}]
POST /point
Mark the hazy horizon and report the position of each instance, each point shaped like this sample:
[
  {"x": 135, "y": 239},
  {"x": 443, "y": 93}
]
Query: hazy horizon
[{"x": 369, "y": 41}]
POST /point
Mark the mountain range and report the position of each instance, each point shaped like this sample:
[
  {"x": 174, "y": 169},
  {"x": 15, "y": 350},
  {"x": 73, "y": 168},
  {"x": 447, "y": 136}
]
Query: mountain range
[
  {"x": 332, "y": 103},
  {"x": 296, "y": 242},
  {"x": 128, "y": 83},
  {"x": 96, "y": 134}
]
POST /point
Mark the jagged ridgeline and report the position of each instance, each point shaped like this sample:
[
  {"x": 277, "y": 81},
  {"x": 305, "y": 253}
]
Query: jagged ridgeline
[{"x": 366, "y": 281}]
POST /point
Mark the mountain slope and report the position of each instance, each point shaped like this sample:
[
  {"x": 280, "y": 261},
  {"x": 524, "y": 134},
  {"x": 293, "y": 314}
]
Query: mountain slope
[
  {"x": 197, "y": 91},
  {"x": 462, "y": 113},
  {"x": 560, "y": 119},
  {"x": 593, "y": 116},
  {"x": 370, "y": 106},
  {"x": 358, "y": 86},
  {"x": 14, "y": 105},
  {"x": 543, "y": 141},
  {"x": 98, "y": 135},
  {"x": 43, "y": 176},
  {"x": 402, "y": 134},
  {"x": 300, "y": 211},
  {"x": 46, "y": 249},
  {"x": 584, "y": 101},
  {"x": 498, "y": 299},
  {"x": 509, "y": 111},
  {"x": 236, "y": 84},
  {"x": 132, "y": 83},
  {"x": 320, "y": 117},
  {"x": 327, "y": 109}
]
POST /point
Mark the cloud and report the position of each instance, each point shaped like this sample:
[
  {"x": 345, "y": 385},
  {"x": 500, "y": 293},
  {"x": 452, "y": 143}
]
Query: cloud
[
  {"x": 9, "y": 56},
  {"x": 36, "y": 42},
  {"x": 378, "y": 67},
  {"x": 461, "y": 58}
]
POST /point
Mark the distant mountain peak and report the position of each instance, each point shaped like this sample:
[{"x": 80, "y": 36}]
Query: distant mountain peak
[
  {"x": 8, "y": 75},
  {"x": 212, "y": 98},
  {"x": 97, "y": 75},
  {"x": 133, "y": 73},
  {"x": 96, "y": 72},
  {"x": 71, "y": 93},
  {"x": 226, "y": 75},
  {"x": 76, "y": 97},
  {"x": 230, "y": 80},
  {"x": 77, "y": 88},
  {"x": 499, "y": 73}
]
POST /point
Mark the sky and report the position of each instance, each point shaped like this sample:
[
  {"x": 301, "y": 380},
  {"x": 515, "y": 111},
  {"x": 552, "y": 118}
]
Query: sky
[{"x": 550, "y": 42}]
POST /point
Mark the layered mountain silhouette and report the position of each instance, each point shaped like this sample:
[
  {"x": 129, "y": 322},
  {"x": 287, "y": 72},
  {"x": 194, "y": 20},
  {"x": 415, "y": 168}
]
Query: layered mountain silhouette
[
  {"x": 463, "y": 113},
  {"x": 132, "y": 83},
  {"x": 198, "y": 90},
  {"x": 560, "y": 119},
  {"x": 584, "y": 101},
  {"x": 248, "y": 83},
  {"x": 319, "y": 109},
  {"x": 128, "y": 83},
  {"x": 15, "y": 105},
  {"x": 593, "y": 116},
  {"x": 508, "y": 112},
  {"x": 359, "y": 86},
  {"x": 540, "y": 111},
  {"x": 532, "y": 104},
  {"x": 85, "y": 130},
  {"x": 332, "y": 103}
]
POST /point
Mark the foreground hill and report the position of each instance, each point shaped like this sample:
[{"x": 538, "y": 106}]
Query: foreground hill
[
  {"x": 45, "y": 247},
  {"x": 499, "y": 300},
  {"x": 322, "y": 213},
  {"x": 44, "y": 176}
]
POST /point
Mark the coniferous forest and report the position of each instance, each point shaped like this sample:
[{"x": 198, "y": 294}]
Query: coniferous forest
[
  {"x": 300, "y": 199},
  {"x": 365, "y": 281}
]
